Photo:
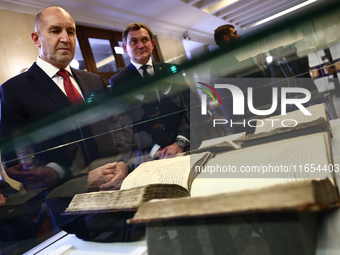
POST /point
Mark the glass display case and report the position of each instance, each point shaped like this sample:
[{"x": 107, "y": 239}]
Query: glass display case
[{"x": 282, "y": 68}]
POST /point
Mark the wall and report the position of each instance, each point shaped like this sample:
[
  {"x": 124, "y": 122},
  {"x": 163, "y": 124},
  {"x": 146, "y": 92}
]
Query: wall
[
  {"x": 17, "y": 50},
  {"x": 172, "y": 50}
]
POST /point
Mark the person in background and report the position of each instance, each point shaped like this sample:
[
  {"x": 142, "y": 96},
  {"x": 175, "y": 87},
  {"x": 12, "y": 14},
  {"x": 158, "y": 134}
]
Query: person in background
[
  {"x": 165, "y": 130},
  {"x": 226, "y": 35}
]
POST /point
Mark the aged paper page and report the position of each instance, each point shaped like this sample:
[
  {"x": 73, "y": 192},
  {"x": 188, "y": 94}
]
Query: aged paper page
[
  {"x": 171, "y": 171},
  {"x": 289, "y": 157},
  {"x": 104, "y": 200}
]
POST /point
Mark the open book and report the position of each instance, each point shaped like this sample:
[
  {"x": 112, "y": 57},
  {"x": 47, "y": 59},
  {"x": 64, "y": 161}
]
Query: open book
[
  {"x": 166, "y": 178},
  {"x": 292, "y": 124},
  {"x": 291, "y": 174}
]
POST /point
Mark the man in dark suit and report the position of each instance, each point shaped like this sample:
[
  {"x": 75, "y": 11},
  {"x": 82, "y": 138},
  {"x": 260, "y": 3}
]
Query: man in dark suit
[
  {"x": 161, "y": 108},
  {"x": 50, "y": 86}
]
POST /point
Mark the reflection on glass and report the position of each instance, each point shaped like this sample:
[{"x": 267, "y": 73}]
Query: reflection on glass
[
  {"x": 103, "y": 55},
  {"x": 125, "y": 128}
]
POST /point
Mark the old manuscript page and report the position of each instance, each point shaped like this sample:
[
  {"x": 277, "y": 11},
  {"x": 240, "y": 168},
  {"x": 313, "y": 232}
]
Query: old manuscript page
[
  {"x": 170, "y": 171},
  {"x": 265, "y": 165}
]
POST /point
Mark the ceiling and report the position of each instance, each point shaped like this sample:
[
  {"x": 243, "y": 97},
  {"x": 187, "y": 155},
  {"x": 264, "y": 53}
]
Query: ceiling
[{"x": 167, "y": 18}]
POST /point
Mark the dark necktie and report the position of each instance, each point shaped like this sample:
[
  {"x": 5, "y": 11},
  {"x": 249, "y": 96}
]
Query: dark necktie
[
  {"x": 162, "y": 87},
  {"x": 149, "y": 92},
  {"x": 71, "y": 92},
  {"x": 145, "y": 72}
]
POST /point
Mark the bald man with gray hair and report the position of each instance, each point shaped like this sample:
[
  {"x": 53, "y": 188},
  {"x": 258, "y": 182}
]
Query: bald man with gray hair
[{"x": 50, "y": 86}]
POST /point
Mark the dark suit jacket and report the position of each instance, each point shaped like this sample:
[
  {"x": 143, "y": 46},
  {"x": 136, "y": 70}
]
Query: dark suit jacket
[
  {"x": 32, "y": 96},
  {"x": 165, "y": 118}
]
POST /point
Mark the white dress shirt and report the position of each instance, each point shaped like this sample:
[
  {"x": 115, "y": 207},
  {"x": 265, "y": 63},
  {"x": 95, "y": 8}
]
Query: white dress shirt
[{"x": 52, "y": 71}]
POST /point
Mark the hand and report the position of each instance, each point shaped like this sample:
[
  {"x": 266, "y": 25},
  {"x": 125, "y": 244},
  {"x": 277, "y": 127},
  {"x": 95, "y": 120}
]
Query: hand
[
  {"x": 17, "y": 173},
  {"x": 2, "y": 200},
  {"x": 99, "y": 176},
  {"x": 120, "y": 172},
  {"x": 46, "y": 175},
  {"x": 158, "y": 153},
  {"x": 102, "y": 175},
  {"x": 171, "y": 150}
]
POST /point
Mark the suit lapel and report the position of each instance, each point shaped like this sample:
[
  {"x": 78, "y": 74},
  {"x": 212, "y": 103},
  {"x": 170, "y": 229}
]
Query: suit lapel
[
  {"x": 157, "y": 67},
  {"x": 131, "y": 72},
  {"x": 40, "y": 80},
  {"x": 84, "y": 84}
]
